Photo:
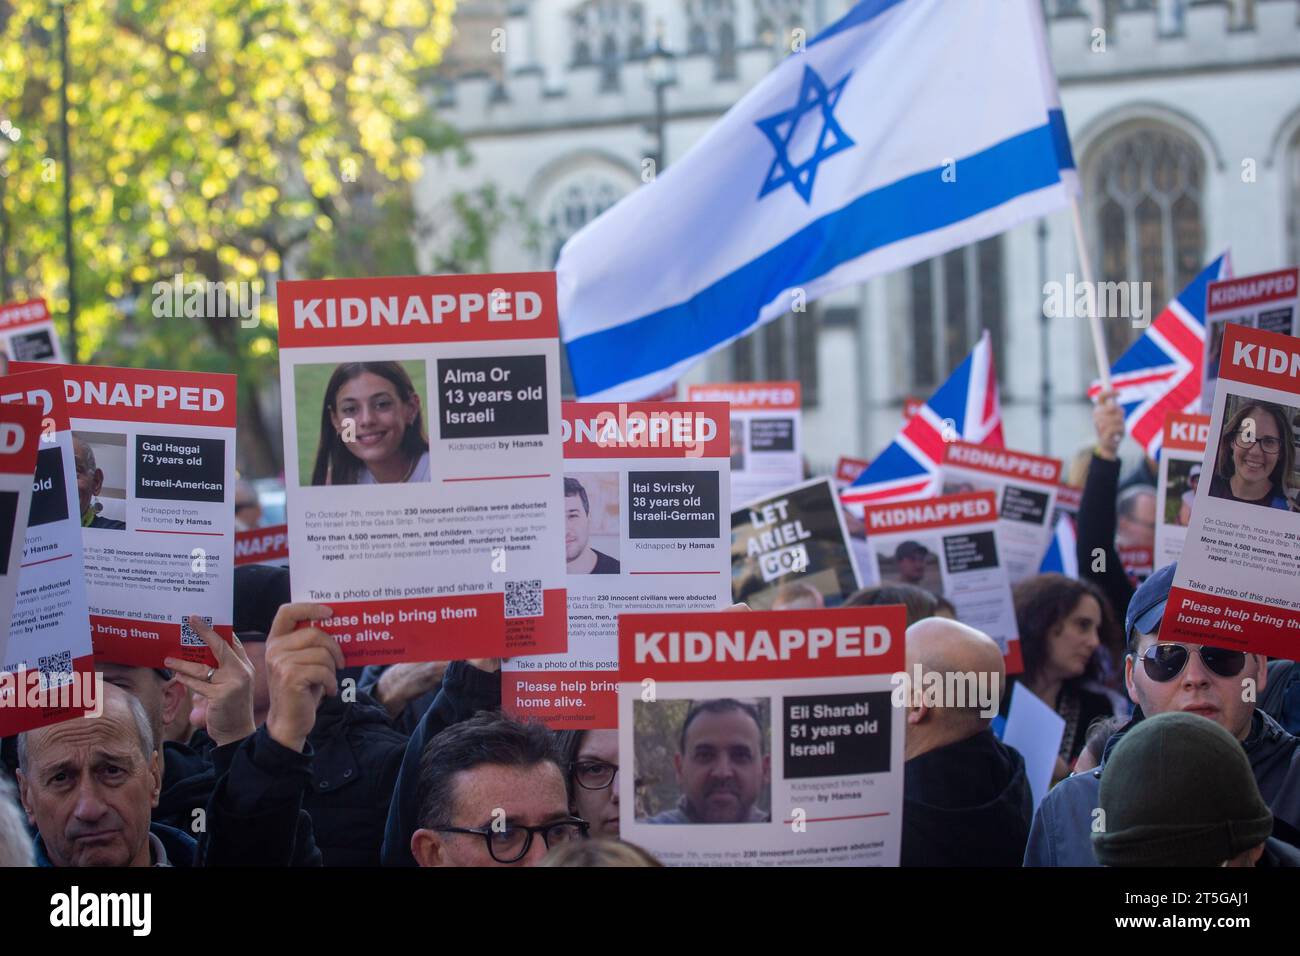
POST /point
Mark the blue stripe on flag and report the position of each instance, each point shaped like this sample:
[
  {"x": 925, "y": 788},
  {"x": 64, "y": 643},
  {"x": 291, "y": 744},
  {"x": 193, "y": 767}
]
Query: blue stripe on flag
[
  {"x": 865, "y": 11},
  {"x": 1142, "y": 354},
  {"x": 1061, "y": 138},
  {"x": 910, "y": 207}
]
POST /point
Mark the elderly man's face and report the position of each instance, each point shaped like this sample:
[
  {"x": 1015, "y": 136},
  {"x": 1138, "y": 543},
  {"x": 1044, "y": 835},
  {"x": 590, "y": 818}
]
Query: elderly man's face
[
  {"x": 90, "y": 790},
  {"x": 89, "y": 478},
  {"x": 1138, "y": 529}
]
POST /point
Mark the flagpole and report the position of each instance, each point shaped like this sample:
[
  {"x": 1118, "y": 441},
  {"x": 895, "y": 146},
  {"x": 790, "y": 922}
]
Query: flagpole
[{"x": 1094, "y": 318}]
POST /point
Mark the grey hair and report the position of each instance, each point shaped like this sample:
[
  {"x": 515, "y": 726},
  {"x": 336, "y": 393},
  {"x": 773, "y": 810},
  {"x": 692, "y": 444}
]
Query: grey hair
[
  {"x": 142, "y": 728},
  {"x": 1126, "y": 503},
  {"x": 15, "y": 842},
  {"x": 86, "y": 460}
]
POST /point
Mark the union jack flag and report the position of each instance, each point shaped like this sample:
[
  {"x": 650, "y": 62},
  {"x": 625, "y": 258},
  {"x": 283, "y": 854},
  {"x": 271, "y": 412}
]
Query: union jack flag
[
  {"x": 1062, "y": 554},
  {"x": 964, "y": 408},
  {"x": 1161, "y": 372}
]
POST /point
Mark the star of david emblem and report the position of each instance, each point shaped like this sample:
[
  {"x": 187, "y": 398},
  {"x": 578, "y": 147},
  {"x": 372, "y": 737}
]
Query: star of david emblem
[{"x": 814, "y": 97}]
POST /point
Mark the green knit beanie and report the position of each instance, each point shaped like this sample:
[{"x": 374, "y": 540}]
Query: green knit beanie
[{"x": 1178, "y": 791}]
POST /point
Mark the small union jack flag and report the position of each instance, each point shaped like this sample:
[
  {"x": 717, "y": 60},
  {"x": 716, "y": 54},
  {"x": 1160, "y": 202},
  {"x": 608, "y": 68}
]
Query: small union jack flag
[
  {"x": 1161, "y": 372},
  {"x": 965, "y": 408}
]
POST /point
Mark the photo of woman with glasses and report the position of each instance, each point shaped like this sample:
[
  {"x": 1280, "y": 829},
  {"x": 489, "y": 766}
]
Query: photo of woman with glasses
[
  {"x": 371, "y": 428},
  {"x": 1256, "y": 457}
]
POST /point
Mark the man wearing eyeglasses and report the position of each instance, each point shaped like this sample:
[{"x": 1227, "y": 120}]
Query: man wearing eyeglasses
[
  {"x": 492, "y": 793},
  {"x": 1163, "y": 677}
]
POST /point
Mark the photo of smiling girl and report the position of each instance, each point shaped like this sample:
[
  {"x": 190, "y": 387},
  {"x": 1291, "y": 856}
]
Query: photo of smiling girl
[{"x": 371, "y": 428}]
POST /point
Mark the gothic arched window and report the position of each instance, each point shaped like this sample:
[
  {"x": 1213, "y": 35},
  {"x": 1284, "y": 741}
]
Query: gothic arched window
[
  {"x": 1293, "y": 217},
  {"x": 954, "y": 297},
  {"x": 1144, "y": 187}
]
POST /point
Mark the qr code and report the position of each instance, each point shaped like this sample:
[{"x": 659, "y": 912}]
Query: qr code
[
  {"x": 56, "y": 669},
  {"x": 524, "y": 598},
  {"x": 188, "y": 637}
]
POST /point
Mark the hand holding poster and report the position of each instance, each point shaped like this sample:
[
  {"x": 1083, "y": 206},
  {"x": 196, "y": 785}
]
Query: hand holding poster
[
  {"x": 791, "y": 550},
  {"x": 48, "y": 653},
  {"x": 423, "y": 463},
  {"x": 1182, "y": 449},
  {"x": 155, "y": 465},
  {"x": 950, "y": 546},
  {"x": 27, "y": 332},
  {"x": 766, "y": 434},
  {"x": 1267, "y": 302},
  {"x": 1236, "y": 585},
  {"x": 646, "y": 508},
  {"x": 1025, "y": 486},
  {"x": 762, "y": 738},
  {"x": 20, "y": 437}
]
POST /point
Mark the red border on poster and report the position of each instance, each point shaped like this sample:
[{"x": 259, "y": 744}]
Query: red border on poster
[
  {"x": 750, "y": 396},
  {"x": 394, "y": 310},
  {"x": 770, "y": 645}
]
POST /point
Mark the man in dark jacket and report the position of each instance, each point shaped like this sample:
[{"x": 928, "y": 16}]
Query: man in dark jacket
[
  {"x": 966, "y": 800},
  {"x": 1180, "y": 792},
  {"x": 356, "y": 751},
  {"x": 1163, "y": 677},
  {"x": 357, "y": 757},
  {"x": 88, "y": 786},
  {"x": 467, "y": 688}
]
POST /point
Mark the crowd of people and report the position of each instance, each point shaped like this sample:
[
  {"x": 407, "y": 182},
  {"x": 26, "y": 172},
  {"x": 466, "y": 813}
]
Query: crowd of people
[{"x": 1172, "y": 754}]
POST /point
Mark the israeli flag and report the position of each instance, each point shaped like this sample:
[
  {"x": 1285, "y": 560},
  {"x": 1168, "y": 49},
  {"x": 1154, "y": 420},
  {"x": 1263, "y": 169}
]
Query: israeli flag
[{"x": 906, "y": 129}]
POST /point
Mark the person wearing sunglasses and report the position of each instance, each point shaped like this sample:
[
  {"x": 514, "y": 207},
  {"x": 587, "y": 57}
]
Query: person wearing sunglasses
[
  {"x": 492, "y": 793},
  {"x": 1218, "y": 684},
  {"x": 1256, "y": 456}
]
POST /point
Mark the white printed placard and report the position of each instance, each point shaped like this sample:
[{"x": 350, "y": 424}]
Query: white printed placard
[
  {"x": 764, "y": 738},
  {"x": 27, "y": 332},
  {"x": 155, "y": 459},
  {"x": 1025, "y": 486},
  {"x": 1269, "y": 301},
  {"x": 1236, "y": 584},
  {"x": 950, "y": 546},
  {"x": 20, "y": 438},
  {"x": 1182, "y": 449},
  {"x": 766, "y": 433},
  {"x": 48, "y": 655},
  {"x": 647, "y": 526},
  {"x": 423, "y": 463}
]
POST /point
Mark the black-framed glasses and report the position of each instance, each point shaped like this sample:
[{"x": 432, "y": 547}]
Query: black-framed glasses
[
  {"x": 1268, "y": 444},
  {"x": 1164, "y": 662},
  {"x": 593, "y": 774},
  {"x": 511, "y": 843}
]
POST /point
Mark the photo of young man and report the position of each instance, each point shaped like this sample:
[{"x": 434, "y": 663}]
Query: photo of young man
[{"x": 582, "y": 558}]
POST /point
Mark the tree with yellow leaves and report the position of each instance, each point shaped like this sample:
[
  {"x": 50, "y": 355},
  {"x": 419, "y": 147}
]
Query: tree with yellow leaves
[{"x": 222, "y": 140}]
